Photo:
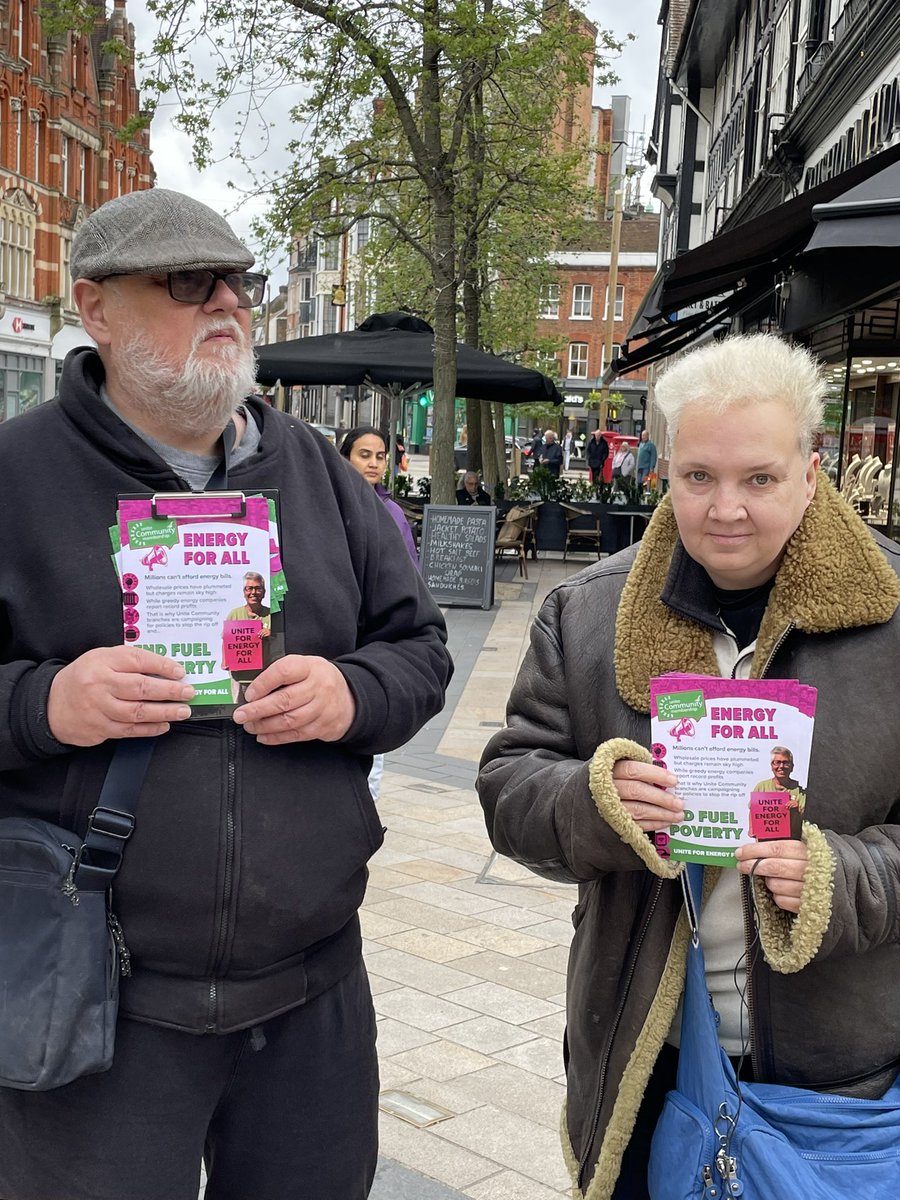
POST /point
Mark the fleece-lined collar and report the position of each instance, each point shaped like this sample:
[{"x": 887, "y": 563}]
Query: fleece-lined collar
[{"x": 833, "y": 576}]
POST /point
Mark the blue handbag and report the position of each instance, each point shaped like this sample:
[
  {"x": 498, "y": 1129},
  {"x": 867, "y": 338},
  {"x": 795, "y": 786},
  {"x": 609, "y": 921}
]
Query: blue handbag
[{"x": 716, "y": 1140}]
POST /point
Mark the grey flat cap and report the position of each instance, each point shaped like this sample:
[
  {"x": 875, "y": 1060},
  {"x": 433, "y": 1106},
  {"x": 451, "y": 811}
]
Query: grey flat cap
[{"x": 154, "y": 232}]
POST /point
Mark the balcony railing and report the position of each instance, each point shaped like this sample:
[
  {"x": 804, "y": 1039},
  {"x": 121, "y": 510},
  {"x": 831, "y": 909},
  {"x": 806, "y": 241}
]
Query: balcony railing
[
  {"x": 813, "y": 69},
  {"x": 852, "y": 10}
]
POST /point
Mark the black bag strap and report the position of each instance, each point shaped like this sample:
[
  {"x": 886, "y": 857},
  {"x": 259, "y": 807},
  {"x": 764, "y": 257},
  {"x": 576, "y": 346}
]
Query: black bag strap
[
  {"x": 111, "y": 823},
  {"x": 218, "y": 481}
]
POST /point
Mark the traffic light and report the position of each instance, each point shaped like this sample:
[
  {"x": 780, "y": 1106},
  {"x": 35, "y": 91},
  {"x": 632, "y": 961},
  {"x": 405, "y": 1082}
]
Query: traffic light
[{"x": 426, "y": 398}]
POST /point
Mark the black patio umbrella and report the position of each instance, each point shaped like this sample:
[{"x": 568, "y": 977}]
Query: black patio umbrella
[{"x": 394, "y": 352}]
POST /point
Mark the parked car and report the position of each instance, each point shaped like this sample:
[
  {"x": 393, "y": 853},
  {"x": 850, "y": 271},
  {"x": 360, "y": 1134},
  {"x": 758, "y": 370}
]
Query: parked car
[
  {"x": 327, "y": 431},
  {"x": 459, "y": 451}
]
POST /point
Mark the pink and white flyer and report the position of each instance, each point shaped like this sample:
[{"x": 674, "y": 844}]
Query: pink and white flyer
[{"x": 741, "y": 750}]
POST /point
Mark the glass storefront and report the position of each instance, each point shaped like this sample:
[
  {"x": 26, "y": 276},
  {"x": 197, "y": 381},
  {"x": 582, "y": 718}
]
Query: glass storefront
[
  {"x": 859, "y": 441},
  {"x": 21, "y": 383}
]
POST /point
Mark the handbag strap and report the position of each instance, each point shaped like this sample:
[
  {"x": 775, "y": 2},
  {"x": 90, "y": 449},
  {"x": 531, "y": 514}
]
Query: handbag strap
[
  {"x": 692, "y": 890},
  {"x": 111, "y": 823}
]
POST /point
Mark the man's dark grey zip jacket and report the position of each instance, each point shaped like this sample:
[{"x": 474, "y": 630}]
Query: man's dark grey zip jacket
[{"x": 240, "y": 886}]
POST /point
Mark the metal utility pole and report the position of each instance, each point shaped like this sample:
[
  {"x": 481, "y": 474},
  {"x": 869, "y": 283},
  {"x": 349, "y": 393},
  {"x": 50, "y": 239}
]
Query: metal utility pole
[{"x": 611, "y": 301}]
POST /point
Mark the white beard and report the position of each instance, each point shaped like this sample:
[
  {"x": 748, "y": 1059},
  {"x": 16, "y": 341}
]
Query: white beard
[{"x": 198, "y": 398}]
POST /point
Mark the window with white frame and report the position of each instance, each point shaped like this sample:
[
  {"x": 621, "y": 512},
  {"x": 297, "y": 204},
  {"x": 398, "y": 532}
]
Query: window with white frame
[
  {"x": 620, "y": 303},
  {"x": 582, "y": 295},
  {"x": 37, "y": 120},
  {"x": 578, "y": 360},
  {"x": 781, "y": 61},
  {"x": 18, "y": 221},
  {"x": 64, "y": 166},
  {"x": 65, "y": 274},
  {"x": 616, "y": 350},
  {"x": 549, "y": 302},
  {"x": 329, "y": 254},
  {"x": 19, "y": 117}
]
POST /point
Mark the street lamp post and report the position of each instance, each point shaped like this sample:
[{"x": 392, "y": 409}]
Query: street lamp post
[{"x": 611, "y": 300}]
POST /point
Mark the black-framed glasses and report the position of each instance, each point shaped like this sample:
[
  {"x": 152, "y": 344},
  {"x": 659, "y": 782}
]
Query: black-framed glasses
[{"x": 196, "y": 287}]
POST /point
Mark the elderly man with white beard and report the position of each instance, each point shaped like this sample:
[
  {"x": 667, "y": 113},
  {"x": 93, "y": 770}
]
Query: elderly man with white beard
[{"x": 246, "y": 1034}]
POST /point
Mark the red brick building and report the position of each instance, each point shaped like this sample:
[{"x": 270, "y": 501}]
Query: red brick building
[
  {"x": 574, "y": 309},
  {"x": 62, "y": 102}
]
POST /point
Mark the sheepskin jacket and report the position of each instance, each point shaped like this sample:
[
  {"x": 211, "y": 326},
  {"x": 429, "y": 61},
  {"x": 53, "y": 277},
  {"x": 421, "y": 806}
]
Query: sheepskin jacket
[{"x": 823, "y": 999}]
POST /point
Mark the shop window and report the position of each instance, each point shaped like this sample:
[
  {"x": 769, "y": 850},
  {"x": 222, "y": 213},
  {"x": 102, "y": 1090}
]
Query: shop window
[
  {"x": 18, "y": 220},
  {"x": 21, "y": 383},
  {"x": 869, "y": 453}
]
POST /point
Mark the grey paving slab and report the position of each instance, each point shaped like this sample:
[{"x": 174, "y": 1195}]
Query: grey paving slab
[
  {"x": 485, "y": 1044},
  {"x": 394, "y": 1182}
]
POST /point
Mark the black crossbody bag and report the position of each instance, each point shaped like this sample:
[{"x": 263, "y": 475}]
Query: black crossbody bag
[{"x": 61, "y": 948}]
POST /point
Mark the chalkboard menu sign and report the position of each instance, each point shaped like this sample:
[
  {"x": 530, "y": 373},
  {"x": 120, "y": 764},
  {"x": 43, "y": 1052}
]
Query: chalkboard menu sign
[{"x": 457, "y": 554}]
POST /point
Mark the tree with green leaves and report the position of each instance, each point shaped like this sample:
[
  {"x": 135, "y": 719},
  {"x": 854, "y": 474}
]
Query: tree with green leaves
[{"x": 434, "y": 118}]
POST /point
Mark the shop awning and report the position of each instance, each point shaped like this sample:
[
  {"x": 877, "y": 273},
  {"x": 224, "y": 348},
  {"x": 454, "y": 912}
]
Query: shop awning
[
  {"x": 852, "y": 259},
  {"x": 733, "y": 270},
  {"x": 864, "y": 216}
]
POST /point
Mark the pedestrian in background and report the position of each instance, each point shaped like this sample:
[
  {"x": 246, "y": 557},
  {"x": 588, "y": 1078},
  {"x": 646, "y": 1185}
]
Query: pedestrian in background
[
  {"x": 246, "y": 1033},
  {"x": 366, "y": 449},
  {"x": 646, "y": 457},
  {"x": 623, "y": 462},
  {"x": 752, "y": 529},
  {"x": 472, "y": 491},
  {"x": 567, "y": 443},
  {"x": 597, "y": 451},
  {"x": 551, "y": 453},
  {"x": 536, "y": 447}
]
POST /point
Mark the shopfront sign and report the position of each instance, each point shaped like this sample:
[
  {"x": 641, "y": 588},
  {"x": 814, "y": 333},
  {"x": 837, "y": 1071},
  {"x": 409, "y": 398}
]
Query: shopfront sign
[
  {"x": 36, "y": 326},
  {"x": 877, "y": 126}
]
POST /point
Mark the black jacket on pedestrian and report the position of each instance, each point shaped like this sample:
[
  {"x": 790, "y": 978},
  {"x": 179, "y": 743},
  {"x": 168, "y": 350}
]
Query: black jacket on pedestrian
[
  {"x": 240, "y": 886},
  {"x": 597, "y": 451},
  {"x": 481, "y": 496},
  {"x": 554, "y": 456}
]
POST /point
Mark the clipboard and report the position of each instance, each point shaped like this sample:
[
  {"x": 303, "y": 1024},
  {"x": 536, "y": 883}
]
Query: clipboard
[{"x": 182, "y": 559}]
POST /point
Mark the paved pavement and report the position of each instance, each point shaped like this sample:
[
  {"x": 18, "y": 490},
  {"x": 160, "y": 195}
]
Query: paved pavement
[{"x": 468, "y": 977}]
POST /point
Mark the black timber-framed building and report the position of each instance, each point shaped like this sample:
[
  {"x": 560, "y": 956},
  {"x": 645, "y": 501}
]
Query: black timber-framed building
[{"x": 776, "y": 144}]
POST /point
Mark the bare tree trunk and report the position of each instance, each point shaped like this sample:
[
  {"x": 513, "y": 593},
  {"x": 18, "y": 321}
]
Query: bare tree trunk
[
  {"x": 474, "y": 454},
  {"x": 500, "y": 441},
  {"x": 440, "y": 186},
  {"x": 488, "y": 446}
]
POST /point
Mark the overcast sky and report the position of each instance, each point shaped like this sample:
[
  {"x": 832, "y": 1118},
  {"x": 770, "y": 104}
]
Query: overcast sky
[{"x": 637, "y": 68}]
